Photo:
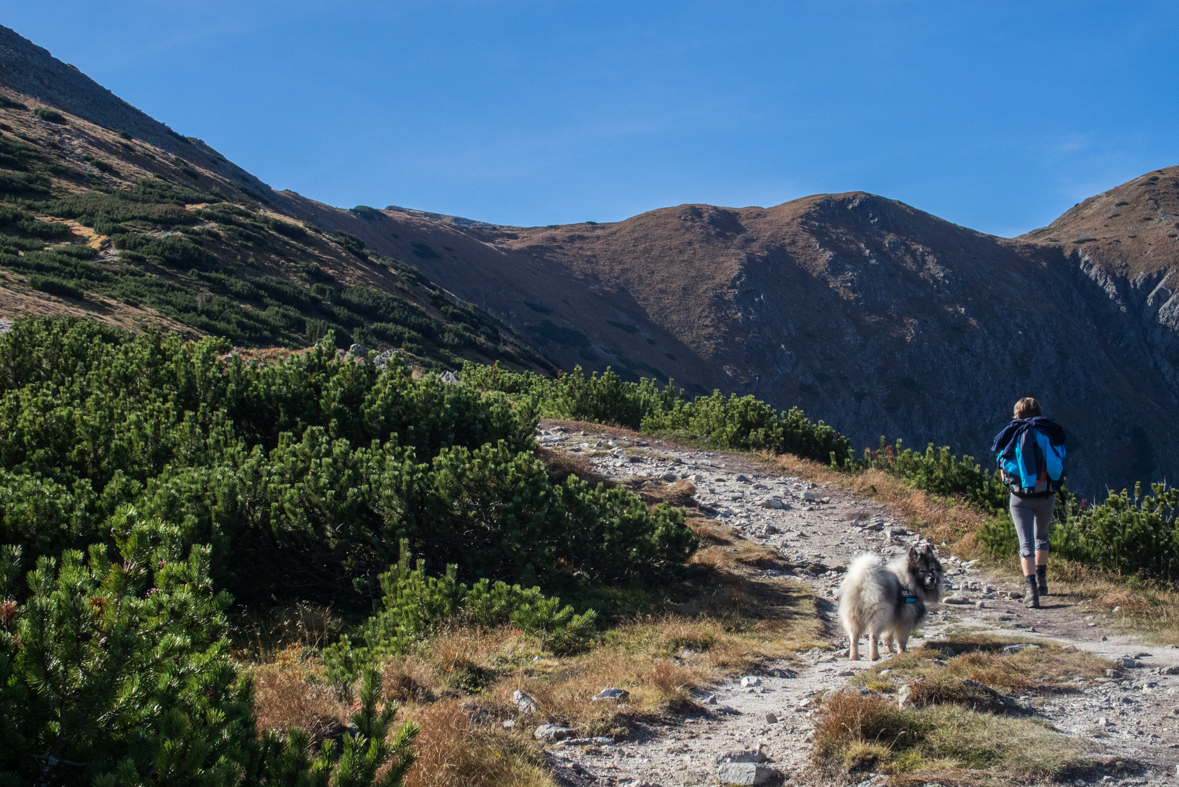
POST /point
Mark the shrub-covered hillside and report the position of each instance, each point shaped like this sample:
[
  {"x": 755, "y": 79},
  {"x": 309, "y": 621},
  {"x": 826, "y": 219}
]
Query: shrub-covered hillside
[
  {"x": 142, "y": 477},
  {"x": 95, "y": 223}
]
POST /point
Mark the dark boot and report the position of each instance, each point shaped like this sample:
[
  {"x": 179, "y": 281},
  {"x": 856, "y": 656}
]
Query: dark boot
[
  {"x": 1042, "y": 580},
  {"x": 1031, "y": 593}
]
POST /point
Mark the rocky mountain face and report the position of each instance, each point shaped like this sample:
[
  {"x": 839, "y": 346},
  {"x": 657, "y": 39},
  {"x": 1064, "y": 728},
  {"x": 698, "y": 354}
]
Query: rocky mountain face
[{"x": 869, "y": 314}]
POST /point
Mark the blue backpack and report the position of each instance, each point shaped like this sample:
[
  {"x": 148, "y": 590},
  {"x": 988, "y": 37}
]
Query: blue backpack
[{"x": 1031, "y": 457}]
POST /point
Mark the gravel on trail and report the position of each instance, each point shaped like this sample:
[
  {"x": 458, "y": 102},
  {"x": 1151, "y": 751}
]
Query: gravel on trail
[{"x": 1131, "y": 714}]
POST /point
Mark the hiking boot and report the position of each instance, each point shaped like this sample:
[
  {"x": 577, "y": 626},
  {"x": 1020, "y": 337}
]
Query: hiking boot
[
  {"x": 1042, "y": 580},
  {"x": 1031, "y": 595}
]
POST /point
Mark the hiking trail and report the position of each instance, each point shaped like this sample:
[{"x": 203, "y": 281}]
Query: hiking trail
[{"x": 1130, "y": 718}]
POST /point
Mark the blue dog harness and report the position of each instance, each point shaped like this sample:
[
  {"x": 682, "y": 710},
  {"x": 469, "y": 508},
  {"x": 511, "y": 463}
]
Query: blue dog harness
[{"x": 908, "y": 596}]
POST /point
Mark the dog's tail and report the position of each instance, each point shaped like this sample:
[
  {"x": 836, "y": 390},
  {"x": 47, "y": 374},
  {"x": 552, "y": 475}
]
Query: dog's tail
[{"x": 857, "y": 577}]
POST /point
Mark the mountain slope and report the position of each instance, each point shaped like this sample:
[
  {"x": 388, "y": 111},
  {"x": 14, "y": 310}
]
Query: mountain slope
[
  {"x": 144, "y": 226},
  {"x": 870, "y": 314}
]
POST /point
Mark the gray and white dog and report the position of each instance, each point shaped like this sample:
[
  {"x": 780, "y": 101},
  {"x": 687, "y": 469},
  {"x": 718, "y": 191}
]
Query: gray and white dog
[{"x": 888, "y": 601}]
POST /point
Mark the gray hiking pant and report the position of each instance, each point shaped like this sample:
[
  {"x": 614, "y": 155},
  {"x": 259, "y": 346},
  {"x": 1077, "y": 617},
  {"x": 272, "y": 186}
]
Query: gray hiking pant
[{"x": 1032, "y": 515}]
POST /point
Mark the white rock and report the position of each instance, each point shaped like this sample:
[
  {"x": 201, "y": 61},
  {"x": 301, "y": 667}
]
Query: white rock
[
  {"x": 523, "y": 702},
  {"x": 750, "y": 680}
]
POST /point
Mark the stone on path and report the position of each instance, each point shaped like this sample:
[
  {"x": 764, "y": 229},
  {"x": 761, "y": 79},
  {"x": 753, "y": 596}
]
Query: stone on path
[
  {"x": 750, "y": 680},
  {"x": 745, "y": 773}
]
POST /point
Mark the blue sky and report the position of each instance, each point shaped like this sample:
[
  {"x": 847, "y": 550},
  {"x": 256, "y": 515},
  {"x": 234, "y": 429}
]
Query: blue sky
[{"x": 996, "y": 115}]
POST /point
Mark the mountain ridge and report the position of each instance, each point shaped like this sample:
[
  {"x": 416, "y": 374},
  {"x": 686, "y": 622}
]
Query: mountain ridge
[{"x": 868, "y": 313}]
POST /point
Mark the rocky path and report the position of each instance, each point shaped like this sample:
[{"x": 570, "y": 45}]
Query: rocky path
[{"x": 1133, "y": 713}]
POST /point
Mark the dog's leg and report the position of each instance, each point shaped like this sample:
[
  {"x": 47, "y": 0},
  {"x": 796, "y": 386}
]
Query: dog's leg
[
  {"x": 902, "y": 642},
  {"x": 853, "y": 651},
  {"x": 873, "y": 648},
  {"x": 886, "y": 640}
]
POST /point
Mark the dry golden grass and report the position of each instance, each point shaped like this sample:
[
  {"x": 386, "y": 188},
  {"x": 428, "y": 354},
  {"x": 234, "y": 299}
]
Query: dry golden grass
[
  {"x": 678, "y": 493},
  {"x": 1050, "y": 667},
  {"x": 855, "y": 733},
  {"x": 285, "y": 698},
  {"x": 459, "y": 746}
]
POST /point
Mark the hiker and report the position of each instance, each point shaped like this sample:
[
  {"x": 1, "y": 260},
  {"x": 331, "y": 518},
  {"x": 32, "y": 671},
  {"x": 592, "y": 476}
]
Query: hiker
[{"x": 1030, "y": 454}]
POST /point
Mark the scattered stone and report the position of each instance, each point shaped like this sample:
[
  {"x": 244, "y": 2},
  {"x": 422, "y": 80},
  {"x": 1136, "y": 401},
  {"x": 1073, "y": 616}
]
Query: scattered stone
[
  {"x": 750, "y": 680},
  {"x": 670, "y": 477},
  {"x": 613, "y": 694},
  {"x": 551, "y": 733},
  {"x": 956, "y": 600},
  {"x": 1015, "y": 595},
  {"x": 742, "y": 479},
  {"x": 711, "y": 700},
  {"x": 771, "y": 718},
  {"x": 1103, "y": 722},
  {"x": 509, "y": 724},
  {"x": 746, "y": 773},
  {"x": 1012, "y": 649},
  {"x": 809, "y": 496},
  {"x": 358, "y": 350},
  {"x": 448, "y": 377},
  {"x": 1112, "y": 673},
  {"x": 847, "y": 673},
  {"x": 1125, "y": 662},
  {"x": 981, "y": 605},
  {"x": 742, "y": 755},
  {"x": 1169, "y": 670},
  {"x": 524, "y": 703}
]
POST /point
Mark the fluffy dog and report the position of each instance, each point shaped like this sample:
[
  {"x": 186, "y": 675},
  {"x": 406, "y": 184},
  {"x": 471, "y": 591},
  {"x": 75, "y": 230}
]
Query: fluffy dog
[{"x": 888, "y": 601}]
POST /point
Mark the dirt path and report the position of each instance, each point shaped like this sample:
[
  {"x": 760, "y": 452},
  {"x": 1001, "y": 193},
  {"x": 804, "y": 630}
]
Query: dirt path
[{"x": 1131, "y": 714}]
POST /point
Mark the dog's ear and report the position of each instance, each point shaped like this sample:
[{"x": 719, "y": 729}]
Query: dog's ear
[
  {"x": 929, "y": 549},
  {"x": 913, "y": 556}
]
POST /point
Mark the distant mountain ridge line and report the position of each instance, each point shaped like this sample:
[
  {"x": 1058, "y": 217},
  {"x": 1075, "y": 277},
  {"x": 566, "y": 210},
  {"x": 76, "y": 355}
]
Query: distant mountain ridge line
[{"x": 868, "y": 313}]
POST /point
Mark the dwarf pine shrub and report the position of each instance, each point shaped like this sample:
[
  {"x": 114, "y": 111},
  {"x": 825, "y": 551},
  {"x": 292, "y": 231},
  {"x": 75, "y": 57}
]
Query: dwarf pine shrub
[{"x": 416, "y": 605}]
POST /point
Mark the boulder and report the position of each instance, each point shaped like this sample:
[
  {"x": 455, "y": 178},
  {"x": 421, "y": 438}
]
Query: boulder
[
  {"x": 746, "y": 773},
  {"x": 612, "y": 694}
]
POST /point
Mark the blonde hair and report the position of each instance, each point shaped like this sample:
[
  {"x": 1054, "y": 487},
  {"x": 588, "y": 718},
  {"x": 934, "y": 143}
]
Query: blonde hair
[{"x": 1027, "y": 407}]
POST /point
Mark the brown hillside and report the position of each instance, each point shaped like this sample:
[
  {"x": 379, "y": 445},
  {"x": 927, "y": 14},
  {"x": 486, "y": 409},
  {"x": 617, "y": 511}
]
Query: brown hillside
[{"x": 868, "y": 313}]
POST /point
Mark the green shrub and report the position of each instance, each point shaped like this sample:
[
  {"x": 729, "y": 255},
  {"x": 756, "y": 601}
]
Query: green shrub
[
  {"x": 56, "y": 287},
  {"x": 8, "y": 103},
  {"x": 174, "y": 250},
  {"x": 123, "y": 664},
  {"x": 50, "y": 115},
  {"x": 13, "y": 219},
  {"x": 417, "y": 605},
  {"x": 350, "y": 243},
  {"x": 23, "y": 184},
  {"x": 304, "y": 475},
  {"x": 732, "y": 422}
]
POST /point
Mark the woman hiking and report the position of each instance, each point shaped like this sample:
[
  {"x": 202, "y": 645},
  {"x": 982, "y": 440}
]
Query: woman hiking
[{"x": 1030, "y": 454}]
